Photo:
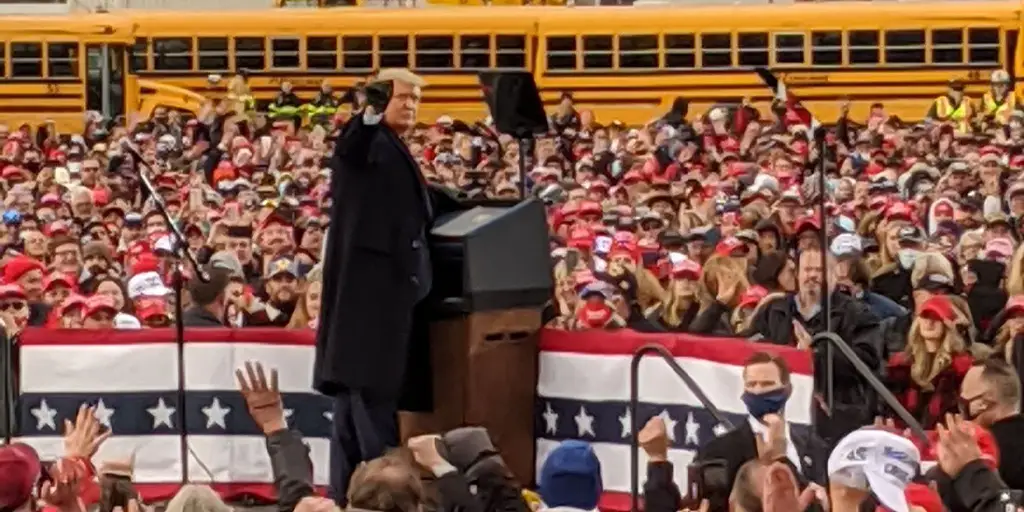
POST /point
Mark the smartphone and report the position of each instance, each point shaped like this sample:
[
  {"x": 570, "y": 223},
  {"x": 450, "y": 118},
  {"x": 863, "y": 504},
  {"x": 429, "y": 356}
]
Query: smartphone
[{"x": 708, "y": 480}]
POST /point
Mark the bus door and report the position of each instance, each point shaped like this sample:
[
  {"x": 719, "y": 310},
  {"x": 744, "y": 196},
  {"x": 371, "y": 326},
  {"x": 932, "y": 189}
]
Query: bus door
[{"x": 105, "y": 79}]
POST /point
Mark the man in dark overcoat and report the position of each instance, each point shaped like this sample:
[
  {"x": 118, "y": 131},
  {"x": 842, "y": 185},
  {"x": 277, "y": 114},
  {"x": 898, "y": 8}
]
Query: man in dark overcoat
[{"x": 372, "y": 354}]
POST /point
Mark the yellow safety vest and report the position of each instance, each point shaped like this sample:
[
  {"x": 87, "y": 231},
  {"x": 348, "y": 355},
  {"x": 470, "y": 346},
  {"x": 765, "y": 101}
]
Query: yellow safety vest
[
  {"x": 999, "y": 111},
  {"x": 961, "y": 115}
]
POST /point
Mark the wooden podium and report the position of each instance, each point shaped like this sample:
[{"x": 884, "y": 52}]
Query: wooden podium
[{"x": 485, "y": 374}]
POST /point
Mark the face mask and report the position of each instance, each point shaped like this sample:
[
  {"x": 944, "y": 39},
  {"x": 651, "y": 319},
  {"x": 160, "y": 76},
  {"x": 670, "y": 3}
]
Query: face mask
[
  {"x": 907, "y": 258},
  {"x": 760, "y": 404}
]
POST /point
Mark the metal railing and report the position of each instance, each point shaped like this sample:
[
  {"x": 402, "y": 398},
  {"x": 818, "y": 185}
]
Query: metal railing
[
  {"x": 833, "y": 341},
  {"x": 634, "y": 406}
]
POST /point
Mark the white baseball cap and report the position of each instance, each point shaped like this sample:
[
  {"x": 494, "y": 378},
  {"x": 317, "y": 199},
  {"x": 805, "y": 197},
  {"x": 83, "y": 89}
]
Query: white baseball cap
[
  {"x": 846, "y": 243},
  {"x": 875, "y": 460},
  {"x": 146, "y": 284}
]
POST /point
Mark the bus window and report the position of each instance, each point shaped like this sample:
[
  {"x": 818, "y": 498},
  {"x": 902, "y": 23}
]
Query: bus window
[
  {"x": 561, "y": 52},
  {"x": 474, "y": 52},
  {"x": 753, "y": 48},
  {"x": 597, "y": 52},
  {"x": 863, "y": 47},
  {"x": 947, "y": 46},
  {"x": 140, "y": 51},
  {"x": 638, "y": 52},
  {"x": 789, "y": 49},
  {"x": 26, "y": 60},
  {"x": 511, "y": 51},
  {"x": 982, "y": 45},
  {"x": 827, "y": 48},
  {"x": 172, "y": 54},
  {"x": 249, "y": 53},
  {"x": 62, "y": 60},
  {"x": 213, "y": 54},
  {"x": 680, "y": 52},
  {"x": 286, "y": 52},
  {"x": 435, "y": 52},
  {"x": 394, "y": 51},
  {"x": 3, "y": 59},
  {"x": 358, "y": 53},
  {"x": 904, "y": 47},
  {"x": 716, "y": 50},
  {"x": 322, "y": 52}
]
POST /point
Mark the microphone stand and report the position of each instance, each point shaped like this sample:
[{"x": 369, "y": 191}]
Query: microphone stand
[
  {"x": 180, "y": 253},
  {"x": 525, "y": 159},
  {"x": 826, "y": 296}
]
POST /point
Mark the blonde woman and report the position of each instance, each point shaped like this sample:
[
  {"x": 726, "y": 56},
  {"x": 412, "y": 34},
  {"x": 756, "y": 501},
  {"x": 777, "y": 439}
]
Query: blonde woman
[
  {"x": 1010, "y": 327},
  {"x": 722, "y": 284},
  {"x": 307, "y": 311},
  {"x": 927, "y": 374},
  {"x": 1015, "y": 274},
  {"x": 680, "y": 304}
]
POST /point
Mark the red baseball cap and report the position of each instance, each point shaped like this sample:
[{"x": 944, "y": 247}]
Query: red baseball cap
[
  {"x": 98, "y": 303},
  {"x": 19, "y": 266},
  {"x": 151, "y": 308},
  {"x": 19, "y": 471},
  {"x": 938, "y": 306},
  {"x": 729, "y": 246},
  {"x": 687, "y": 268}
]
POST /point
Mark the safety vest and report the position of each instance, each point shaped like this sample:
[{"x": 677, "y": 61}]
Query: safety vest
[
  {"x": 961, "y": 115},
  {"x": 1000, "y": 111}
]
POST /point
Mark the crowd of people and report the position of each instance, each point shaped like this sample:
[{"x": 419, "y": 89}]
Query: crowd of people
[
  {"x": 872, "y": 468},
  {"x": 707, "y": 224}
]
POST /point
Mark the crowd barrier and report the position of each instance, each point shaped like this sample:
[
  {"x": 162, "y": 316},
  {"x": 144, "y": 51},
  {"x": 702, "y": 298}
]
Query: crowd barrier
[{"x": 132, "y": 379}]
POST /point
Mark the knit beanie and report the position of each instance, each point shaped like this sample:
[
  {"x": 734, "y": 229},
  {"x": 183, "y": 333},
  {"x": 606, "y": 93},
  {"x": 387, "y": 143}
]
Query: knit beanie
[{"x": 571, "y": 477}]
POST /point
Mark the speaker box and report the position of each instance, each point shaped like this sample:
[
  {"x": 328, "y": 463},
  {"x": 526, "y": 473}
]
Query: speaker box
[{"x": 491, "y": 258}]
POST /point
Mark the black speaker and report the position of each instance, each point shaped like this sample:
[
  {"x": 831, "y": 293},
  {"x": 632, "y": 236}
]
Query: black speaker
[
  {"x": 491, "y": 258},
  {"x": 514, "y": 102}
]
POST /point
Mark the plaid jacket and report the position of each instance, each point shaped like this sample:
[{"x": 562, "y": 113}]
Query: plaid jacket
[{"x": 928, "y": 407}]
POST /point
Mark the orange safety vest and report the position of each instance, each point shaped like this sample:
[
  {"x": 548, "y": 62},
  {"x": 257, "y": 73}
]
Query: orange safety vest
[
  {"x": 961, "y": 115},
  {"x": 1000, "y": 111}
]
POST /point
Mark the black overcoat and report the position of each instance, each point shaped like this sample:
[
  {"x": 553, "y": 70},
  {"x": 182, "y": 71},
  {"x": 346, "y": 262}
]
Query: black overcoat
[{"x": 366, "y": 340}]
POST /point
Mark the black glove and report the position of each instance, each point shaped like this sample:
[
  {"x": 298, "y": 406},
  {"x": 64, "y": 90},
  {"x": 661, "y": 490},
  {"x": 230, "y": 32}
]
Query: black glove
[{"x": 378, "y": 95}]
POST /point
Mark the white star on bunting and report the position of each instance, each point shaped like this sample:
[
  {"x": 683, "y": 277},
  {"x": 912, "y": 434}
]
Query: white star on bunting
[
  {"x": 162, "y": 414},
  {"x": 584, "y": 423},
  {"x": 626, "y": 422},
  {"x": 670, "y": 425},
  {"x": 550, "y": 419},
  {"x": 692, "y": 430},
  {"x": 216, "y": 414},
  {"x": 104, "y": 414},
  {"x": 45, "y": 417}
]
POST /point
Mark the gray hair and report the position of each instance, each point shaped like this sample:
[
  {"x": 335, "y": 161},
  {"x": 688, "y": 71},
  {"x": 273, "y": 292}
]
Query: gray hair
[
  {"x": 197, "y": 498},
  {"x": 227, "y": 260}
]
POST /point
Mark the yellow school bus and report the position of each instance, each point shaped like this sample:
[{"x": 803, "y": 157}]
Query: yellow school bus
[
  {"x": 625, "y": 63},
  {"x": 57, "y": 68},
  {"x": 631, "y": 63},
  {"x": 448, "y": 47}
]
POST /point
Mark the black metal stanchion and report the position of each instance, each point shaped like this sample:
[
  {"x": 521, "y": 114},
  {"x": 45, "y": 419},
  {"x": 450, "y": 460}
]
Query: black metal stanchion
[{"x": 180, "y": 252}]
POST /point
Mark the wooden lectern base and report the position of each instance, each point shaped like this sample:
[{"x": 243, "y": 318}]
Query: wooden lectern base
[{"x": 485, "y": 374}]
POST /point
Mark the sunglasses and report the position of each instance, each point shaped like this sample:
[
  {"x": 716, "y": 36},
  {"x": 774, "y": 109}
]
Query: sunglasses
[{"x": 13, "y": 306}]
